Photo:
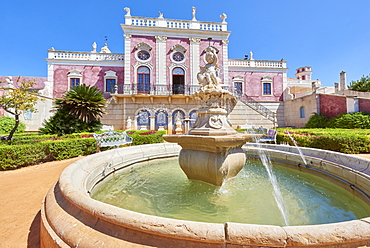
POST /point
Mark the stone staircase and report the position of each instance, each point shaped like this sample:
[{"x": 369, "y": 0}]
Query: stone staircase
[{"x": 244, "y": 113}]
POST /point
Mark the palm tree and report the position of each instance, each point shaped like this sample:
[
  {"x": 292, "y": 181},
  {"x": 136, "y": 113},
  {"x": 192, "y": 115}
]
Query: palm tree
[{"x": 85, "y": 102}]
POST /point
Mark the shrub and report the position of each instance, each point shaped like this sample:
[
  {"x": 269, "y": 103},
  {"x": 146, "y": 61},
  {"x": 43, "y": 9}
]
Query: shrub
[
  {"x": 317, "y": 121},
  {"x": 15, "y": 156},
  {"x": 351, "y": 121},
  {"x": 63, "y": 123},
  {"x": 339, "y": 140},
  {"x": 8, "y": 123},
  {"x": 146, "y": 137}
]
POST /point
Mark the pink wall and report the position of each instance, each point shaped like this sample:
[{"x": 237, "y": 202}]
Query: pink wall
[
  {"x": 150, "y": 40},
  {"x": 186, "y": 44},
  {"x": 252, "y": 85},
  {"x": 364, "y": 105},
  {"x": 331, "y": 106},
  {"x": 91, "y": 75},
  {"x": 40, "y": 81}
]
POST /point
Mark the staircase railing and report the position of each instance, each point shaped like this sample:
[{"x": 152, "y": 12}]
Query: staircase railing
[{"x": 259, "y": 108}]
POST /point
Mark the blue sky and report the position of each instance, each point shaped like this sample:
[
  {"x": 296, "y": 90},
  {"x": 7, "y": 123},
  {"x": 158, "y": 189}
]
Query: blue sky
[{"x": 329, "y": 35}]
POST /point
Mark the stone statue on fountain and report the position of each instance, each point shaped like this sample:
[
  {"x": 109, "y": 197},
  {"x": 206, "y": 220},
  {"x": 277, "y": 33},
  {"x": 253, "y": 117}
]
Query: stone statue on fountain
[
  {"x": 215, "y": 102},
  {"x": 212, "y": 151}
]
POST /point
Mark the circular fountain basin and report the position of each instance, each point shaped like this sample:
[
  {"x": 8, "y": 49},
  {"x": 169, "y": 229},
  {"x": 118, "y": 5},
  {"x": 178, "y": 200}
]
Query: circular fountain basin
[{"x": 71, "y": 218}]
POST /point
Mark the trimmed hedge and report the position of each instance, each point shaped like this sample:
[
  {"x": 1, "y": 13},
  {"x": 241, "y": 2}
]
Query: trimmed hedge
[
  {"x": 32, "y": 148},
  {"x": 16, "y": 156},
  {"x": 339, "y": 140},
  {"x": 146, "y": 137}
]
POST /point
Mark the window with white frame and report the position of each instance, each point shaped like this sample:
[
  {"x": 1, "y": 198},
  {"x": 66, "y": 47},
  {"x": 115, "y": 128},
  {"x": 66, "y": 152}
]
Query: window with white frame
[
  {"x": 110, "y": 82},
  {"x": 238, "y": 85},
  {"x": 143, "y": 80},
  {"x": 74, "y": 78},
  {"x": 266, "y": 86},
  {"x": 177, "y": 54}
]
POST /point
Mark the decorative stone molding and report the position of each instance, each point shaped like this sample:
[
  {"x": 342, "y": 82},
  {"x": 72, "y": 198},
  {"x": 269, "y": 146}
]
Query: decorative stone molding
[
  {"x": 178, "y": 48},
  {"x": 194, "y": 40},
  {"x": 143, "y": 46},
  {"x": 160, "y": 38},
  {"x": 127, "y": 36},
  {"x": 225, "y": 42}
]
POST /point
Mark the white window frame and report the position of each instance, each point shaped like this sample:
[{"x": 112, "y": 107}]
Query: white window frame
[
  {"x": 267, "y": 80},
  {"x": 74, "y": 74},
  {"x": 110, "y": 75}
]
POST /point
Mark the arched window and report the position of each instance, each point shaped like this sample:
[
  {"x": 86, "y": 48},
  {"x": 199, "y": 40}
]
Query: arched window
[
  {"x": 193, "y": 116},
  {"x": 161, "y": 119},
  {"x": 143, "y": 119},
  {"x": 301, "y": 112},
  {"x": 178, "y": 81},
  {"x": 178, "y": 115},
  {"x": 143, "y": 80}
]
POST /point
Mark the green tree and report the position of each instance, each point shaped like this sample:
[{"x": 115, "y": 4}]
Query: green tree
[
  {"x": 363, "y": 84},
  {"x": 79, "y": 110},
  {"x": 85, "y": 102},
  {"x": 16, "y": 100}
]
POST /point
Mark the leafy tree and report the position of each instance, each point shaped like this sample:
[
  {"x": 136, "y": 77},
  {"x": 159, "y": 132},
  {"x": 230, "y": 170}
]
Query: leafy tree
[
  {"x": 79, "y": 110},
  {"x": 17, "y": 100},
  {"x": 363, "y": 84},
  {"x": 7, "y": 124}
]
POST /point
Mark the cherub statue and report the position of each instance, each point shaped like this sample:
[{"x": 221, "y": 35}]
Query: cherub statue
[{"x": 208, "y": 74}]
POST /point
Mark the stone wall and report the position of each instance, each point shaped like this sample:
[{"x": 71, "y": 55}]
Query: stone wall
[{"x": 293, "y": 107}]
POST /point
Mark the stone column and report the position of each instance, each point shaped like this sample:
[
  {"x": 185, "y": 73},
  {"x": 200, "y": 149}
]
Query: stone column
[
  {"x": 194, "y": 59},
  {"x": 152, "y": 122},
  {"x": 127, "y": 48},
  {"x": 135, "y": 122},
  {"x": 169, "y": 126},
  {"x": 225, "y": 59},
  {"x": 161, "y": 60}
]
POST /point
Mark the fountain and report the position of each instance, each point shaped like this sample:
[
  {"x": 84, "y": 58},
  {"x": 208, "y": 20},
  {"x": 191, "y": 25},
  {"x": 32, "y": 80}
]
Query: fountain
[{"x": 212, "y": 150}]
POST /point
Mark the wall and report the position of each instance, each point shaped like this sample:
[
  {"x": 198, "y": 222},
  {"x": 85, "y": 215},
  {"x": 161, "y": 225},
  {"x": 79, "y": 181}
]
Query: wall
[
  {"x": 91, "y": 75},
  {"x": 252, "y": 86},
  {"x": 120, "y": 109},
  {"x": 331, "y": 105},
  {"x": 364, "y": 105},
  {"x": 292, "y": 110}
]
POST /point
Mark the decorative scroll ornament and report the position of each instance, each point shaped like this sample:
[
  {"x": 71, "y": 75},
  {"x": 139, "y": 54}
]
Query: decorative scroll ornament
[{"x": 215, "y": 122}]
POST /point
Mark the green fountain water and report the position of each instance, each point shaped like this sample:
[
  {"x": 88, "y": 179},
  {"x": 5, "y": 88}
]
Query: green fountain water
[{"x": 161, "y": 188}]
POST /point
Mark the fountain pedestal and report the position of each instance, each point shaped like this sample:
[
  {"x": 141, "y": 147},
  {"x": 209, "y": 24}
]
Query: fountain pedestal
[{"x": 211, "y": 159}]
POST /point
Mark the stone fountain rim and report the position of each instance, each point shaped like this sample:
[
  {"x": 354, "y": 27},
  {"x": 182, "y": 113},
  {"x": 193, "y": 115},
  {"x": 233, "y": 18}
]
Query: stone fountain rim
[{"x": 77, "y": 180}]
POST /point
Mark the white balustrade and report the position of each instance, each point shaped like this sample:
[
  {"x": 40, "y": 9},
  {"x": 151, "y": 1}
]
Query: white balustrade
[
  {"x": 86, "y": 56},
  {"x": 180, "y": 24},
  {"x": 257, "y": 63}
]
